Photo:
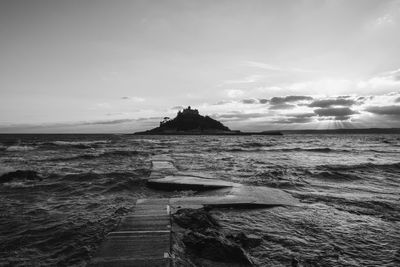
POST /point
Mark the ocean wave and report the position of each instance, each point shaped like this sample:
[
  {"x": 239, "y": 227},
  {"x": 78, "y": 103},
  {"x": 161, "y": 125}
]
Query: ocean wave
[
  {"x": 362, "y": 166},
  {"x": 20, "y": 148},
  {"x": 123, "y": 153},
  {"x": 384, "y": 209},
  {"x": 336, "y": 176},
  {"x": 256, "y": 144},
  {"x": 19, "y": 175},
  {"x": 68, "y": 143},
  {"x": 128, "y": 184},
  {"x": 117, "y": 153},
  {"x": 295, "y": 149},
  {"x": 75, "y": 144},
  {"x": 317, "y": 149},
  {"x": 19, "y": 184}
]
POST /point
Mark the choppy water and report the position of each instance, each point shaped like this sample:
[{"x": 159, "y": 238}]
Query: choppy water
[{"x": 348, "y": 186}]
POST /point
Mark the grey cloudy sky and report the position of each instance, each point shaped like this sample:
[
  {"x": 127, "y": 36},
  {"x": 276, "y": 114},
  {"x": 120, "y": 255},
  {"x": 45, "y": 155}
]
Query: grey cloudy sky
[{"x": 120, "y": 66}]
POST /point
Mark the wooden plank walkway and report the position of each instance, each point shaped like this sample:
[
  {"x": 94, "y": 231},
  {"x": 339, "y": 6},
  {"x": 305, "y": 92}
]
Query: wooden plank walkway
[{"x": 142, "y": 239}]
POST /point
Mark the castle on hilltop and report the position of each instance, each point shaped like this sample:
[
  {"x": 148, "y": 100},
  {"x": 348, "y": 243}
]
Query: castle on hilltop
[
  {"x": 188, "y": 111},
  {"x": 190, "y": 120}
]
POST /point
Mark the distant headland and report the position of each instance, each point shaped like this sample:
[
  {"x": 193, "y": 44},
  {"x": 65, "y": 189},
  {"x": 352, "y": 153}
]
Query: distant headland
[{"x": 190, "y": 122}]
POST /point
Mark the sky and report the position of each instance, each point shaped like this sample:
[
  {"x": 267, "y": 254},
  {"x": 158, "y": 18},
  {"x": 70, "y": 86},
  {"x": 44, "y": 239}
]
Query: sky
[{"x": 94, "y": 66}]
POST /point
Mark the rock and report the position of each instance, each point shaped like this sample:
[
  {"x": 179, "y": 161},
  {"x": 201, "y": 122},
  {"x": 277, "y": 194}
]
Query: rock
[
  {"x": 189, "y": 121},
  {"x": 21, "y": 175},
  {"x": 205, "y": 239},
  {"x": 247, "y": 241},
  {"x": 195, "y": 219},
  {"x": 216, "y": 247}
]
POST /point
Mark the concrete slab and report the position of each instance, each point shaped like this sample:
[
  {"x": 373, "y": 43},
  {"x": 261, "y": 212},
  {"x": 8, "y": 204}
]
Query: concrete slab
[
  {"x": 240, "y": 197},
  {"x": 196, "y": 174},
  {"x": 172, "y": 183},
  {"x": 160, "y": 169}
]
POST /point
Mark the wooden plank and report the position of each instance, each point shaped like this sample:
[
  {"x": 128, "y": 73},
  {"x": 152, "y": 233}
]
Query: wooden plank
[
  {"x": 145, "y": 223},
  {"x": 142, "y": 238}
]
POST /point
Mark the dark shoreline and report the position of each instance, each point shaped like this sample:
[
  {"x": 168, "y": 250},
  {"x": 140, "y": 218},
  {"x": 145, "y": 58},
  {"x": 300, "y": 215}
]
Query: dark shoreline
[
  {"x": 283, "y": 132},
  {"x": 305, "y": 131},
  {"x": 209, "y": 133}
]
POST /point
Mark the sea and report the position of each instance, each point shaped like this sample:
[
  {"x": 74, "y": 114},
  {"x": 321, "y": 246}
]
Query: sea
[{"x": 348, "y": 187}]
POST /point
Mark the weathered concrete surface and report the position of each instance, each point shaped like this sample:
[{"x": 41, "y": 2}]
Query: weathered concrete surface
[
  {"x": 187, "y": 183},
  {"x": 240, "y": 196},
  {"x": 162, "y": 166},
  {"x": 196, "y": 174},
  {"x": 142, "y": 239}
]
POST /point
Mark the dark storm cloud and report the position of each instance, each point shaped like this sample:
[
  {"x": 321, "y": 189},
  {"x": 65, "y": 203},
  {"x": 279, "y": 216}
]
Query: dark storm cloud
[
  {"x": 287, "y": 102},
  {"x": 393, "y": 110},
  {"x": 325, "y": 103},
  {"x": 250, "y": 101},
  {"x": 289, "y": 99},
  {"x": 397, "y": 100},
  {"x": 263, "y": 101},
  {"x": 302, "y": 115},
  {"x": 282, "y": 106},
  {"x": 334, "y": 112}
]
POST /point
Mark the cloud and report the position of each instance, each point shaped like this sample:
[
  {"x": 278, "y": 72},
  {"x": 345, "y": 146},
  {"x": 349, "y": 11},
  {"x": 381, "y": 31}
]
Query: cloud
[
  {"x": 382, "y": 21},
  {"x": 271, "y": 67},
  {"x": 234, "y": 93},
  {"x": 389, "y": 80},
  {"x": 397, "y": 100},
  {"x": 324, "y": 103},
  {"x": 282, "y": 106},
  {"x": 282, "y": 102},
  {"x": 291, "y": 98},
  {"x": 248, "y": 79},
  {"x": 338, "y": 113},
  {"x": 296, "y": 118},
  {"x": 393, "y": 110},
  {"x": 238, "y": 116},
  {"x": 133, "y": 98},
  {"x": 102, "y": 106},
  {"x": 106, "y": 122},
  {"x": 177, "y": 108},
  {"x": 342, "y": 118},
  {"x": 250, "y": 101},
  {"x": 223, "y": 102},
  {"x": 291, "y": 120}
]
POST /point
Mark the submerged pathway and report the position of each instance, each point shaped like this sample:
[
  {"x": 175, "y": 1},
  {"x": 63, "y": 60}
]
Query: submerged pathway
[{"x": 144, "y": 237}]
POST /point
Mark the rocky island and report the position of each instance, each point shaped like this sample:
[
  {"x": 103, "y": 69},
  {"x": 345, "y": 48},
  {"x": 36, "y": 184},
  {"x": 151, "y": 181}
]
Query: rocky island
[{"x": 190, "y": 122}]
